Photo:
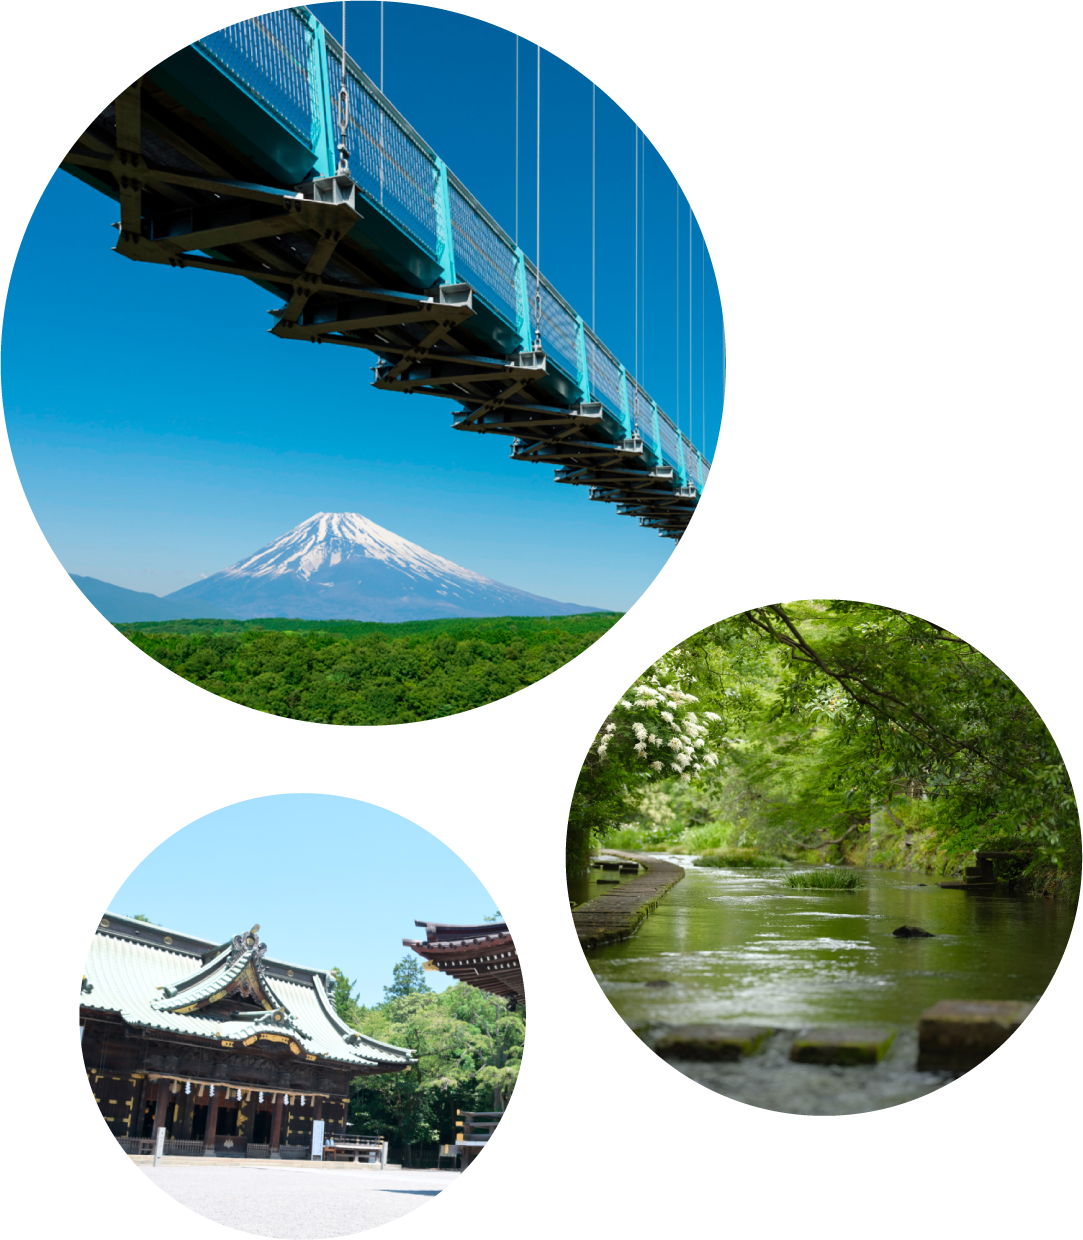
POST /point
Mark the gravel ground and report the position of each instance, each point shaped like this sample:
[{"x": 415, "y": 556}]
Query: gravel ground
[{"x": 298, "y": 1203}]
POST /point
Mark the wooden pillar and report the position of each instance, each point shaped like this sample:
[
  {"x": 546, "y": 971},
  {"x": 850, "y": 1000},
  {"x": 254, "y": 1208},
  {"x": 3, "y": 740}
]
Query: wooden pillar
[
  {"x": 212, "y": 1122},
  {"x": 276, "y": 1125},
  {"x": 140, "y": 1107},
  {"x": 164, "y": 1097},
  {"x": 318, "y": 1112},
  {"x": 183, "y": 1127}
]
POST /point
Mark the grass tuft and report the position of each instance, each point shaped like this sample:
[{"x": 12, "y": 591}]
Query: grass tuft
[
  {"x": 825, "y": 880},
  {"x": 738, "y": 859}
]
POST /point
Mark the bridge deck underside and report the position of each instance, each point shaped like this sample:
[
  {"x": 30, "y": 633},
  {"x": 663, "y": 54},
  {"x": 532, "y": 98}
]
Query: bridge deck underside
[{"x": 190, "y": 197}]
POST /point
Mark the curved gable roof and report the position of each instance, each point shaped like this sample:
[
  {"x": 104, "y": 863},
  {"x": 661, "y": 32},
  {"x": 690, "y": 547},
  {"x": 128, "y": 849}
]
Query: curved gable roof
[{"x": 159, "y": 979}]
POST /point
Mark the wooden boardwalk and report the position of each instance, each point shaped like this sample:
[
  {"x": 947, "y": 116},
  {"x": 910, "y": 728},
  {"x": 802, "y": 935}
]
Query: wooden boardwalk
[{"x": 618, "y": 914}]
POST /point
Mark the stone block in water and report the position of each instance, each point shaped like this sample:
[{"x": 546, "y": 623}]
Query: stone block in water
[
  {"x": 843, "y": 1044},
  {"x": 720, "y": 1043},
  {"x": 912, "y": 932},
  {"x": 957, "y": 1034}
]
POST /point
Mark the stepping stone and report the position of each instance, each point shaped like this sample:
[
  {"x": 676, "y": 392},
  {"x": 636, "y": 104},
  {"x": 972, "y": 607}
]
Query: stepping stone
[
  {"x": 912, "y": 932},
  {"x": 957, "y": 1034},
  {"x": 843, "y": 1044},
  {"x": 725, "y": 1043}
]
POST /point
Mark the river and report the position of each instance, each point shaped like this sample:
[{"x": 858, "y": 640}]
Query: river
[{"x": 739, "y": 946}]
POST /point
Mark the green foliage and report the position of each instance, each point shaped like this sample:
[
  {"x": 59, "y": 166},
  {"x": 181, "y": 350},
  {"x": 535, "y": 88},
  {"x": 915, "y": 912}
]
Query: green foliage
[
  {"x": 837, "y": 713},
  {"x": 408, "y": 978},
  {"x": 824, "y": 880},
  {"x": 353, "y": 672},
  {"x": 632, "y": 839},
  {"x": 468, "y": 1045},
  {"x": 142, "y": 917},
  {"x": 711, "y": 835}
]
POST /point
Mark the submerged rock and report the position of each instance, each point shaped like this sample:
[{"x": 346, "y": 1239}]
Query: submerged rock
[
  {"x": 658, "y": 981},
  {"x": 912, "y": 932}
]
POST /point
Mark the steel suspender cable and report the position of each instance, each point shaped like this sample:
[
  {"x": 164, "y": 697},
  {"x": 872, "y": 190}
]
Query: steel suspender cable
[
  {"x": 635, "y": 393},
  {"x": 382, "y": 152},
  {"x": 537, "y": 220},
  {"x": 593, "y": 194},
  {"x": 344, "y": 106},
  {"x": 516, "y": 139},
  {"x": 703, "y": 338},
  {"x": 689, "y": 322}
]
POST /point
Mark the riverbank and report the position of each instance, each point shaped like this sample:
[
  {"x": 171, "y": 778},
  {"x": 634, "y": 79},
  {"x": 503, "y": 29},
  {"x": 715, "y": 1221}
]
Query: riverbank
[
  {"x": 617, "y": 914},
  {"x": 893, "y": 846}
]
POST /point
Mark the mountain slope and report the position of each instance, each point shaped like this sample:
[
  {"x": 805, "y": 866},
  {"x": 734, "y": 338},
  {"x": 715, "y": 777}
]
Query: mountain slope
[
  {"x": 342, "y": 566},
  {"x": 122, "y": 606}
]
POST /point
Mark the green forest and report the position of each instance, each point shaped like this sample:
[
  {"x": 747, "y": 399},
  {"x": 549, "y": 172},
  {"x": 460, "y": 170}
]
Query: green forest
[
  {"x": 830, "y": 731},
  {"x": 354, "y": 672},
  {"x": 468, "y": 1045}
]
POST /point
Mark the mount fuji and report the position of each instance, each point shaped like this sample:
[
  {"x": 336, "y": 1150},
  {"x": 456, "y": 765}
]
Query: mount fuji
[{"x": 342, "y": 566}]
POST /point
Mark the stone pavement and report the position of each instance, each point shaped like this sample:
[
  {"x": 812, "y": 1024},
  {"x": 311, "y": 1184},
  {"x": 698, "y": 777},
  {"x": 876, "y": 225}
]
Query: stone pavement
[{"x": 295, "y": 1201}]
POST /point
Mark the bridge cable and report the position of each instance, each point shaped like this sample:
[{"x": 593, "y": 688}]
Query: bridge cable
[
  {"x": 537, "y": 206},
  {"x": 593, "y": 195},
  {"x": 703, "y": 337},
  {"x": 677, "y": 316},
  {"x": 516, "y": 139},
  {"x": 344, "y": 107},
  {"x": 383, "y": 151},
  {"x": 635, "y": 314},
  {"x": 690, "y": 324}
]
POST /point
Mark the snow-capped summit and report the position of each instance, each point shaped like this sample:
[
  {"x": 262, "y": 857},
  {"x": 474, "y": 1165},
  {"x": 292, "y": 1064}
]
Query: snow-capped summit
[{"x": 342, "y": 566}]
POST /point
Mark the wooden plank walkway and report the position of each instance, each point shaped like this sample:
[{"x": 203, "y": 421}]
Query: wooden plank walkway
[{"x": 618, "y": 914}]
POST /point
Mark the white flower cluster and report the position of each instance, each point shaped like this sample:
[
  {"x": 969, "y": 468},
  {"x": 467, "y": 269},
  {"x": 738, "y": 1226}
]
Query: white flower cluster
[{"x": 663, "y": 721}]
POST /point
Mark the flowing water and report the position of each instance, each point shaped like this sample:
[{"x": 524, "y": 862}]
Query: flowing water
[{"x": 739, "y": 946}]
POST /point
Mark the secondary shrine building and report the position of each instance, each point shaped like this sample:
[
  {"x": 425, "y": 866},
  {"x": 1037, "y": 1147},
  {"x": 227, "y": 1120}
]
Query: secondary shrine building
[
  {"x": 232, "y": 1052},
  {"x": 483, "y": 956}
]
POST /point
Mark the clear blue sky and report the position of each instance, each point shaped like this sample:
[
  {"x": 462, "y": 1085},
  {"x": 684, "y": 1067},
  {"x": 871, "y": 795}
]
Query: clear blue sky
[
  {"x": 332, "y": 883},
  {"x": 161, "y": 434}
]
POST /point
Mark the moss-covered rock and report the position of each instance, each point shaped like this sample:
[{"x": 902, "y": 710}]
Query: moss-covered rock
[
  {"x": 845, "y": 1045},
  {"x": 718, "y": 1043},
  {"x": 957, "y": 1034}
]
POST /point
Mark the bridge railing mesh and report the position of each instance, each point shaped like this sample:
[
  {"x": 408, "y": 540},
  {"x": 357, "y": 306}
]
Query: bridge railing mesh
[
  {"x": 387, "y": 161},
  {"x": 670, "y": 442},
  {"x": 484, "y": 255},
  {"x": 559, "y": 327},
  {"x": 272, "y": 57},
  {"x": 604, "y": 371}
]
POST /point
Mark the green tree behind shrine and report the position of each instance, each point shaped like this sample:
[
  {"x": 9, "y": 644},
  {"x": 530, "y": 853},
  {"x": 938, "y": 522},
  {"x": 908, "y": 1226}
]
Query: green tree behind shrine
[{"x": 468, "y": 1045}]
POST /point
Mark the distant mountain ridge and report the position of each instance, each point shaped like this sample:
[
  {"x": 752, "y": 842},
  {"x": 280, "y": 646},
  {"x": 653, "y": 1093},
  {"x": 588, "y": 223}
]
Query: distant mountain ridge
[
  {"x": 121, "y": 606},
  {"x": 342, "y": 566}
]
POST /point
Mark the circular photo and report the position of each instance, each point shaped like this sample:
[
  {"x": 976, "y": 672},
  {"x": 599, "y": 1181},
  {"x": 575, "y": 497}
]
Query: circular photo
[
  {"x": 823, "y": 857},
  {"x": 357, "y": 1056},
  {"x": 280, "y": 522}
]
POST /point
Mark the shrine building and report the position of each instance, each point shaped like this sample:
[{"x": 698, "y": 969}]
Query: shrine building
[
  {"x": 483, "y": 956},
  {"x": 232, "y": 1052}
]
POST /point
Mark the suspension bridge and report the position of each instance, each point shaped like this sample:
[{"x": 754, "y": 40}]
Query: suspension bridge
[{"x": 263, "y": 151}]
